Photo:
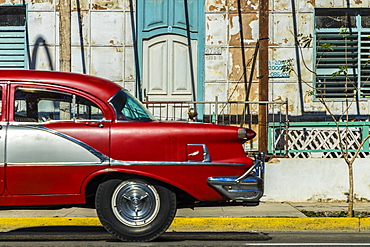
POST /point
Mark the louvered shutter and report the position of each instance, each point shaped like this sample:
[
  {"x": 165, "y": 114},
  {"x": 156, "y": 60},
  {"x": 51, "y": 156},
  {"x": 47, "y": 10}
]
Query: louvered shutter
[
  {"x": 342, "y": 50},
  {"x": 13, "y": 47},
  {"x": 342, "y": 53}
]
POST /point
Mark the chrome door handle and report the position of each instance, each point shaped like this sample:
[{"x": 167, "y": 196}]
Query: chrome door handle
[{"x": 95, "y": 124}]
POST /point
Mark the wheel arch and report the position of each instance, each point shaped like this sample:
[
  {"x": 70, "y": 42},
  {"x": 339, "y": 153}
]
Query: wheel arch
[{"x": 92, "y": 182}]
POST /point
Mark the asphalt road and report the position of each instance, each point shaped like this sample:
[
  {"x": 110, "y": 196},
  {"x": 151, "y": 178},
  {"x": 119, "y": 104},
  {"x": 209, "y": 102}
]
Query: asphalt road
[{"x": 97, "y": 236}]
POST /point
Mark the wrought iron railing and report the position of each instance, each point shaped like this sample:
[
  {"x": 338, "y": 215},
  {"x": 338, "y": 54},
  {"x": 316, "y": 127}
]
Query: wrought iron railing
[{"x": 239, "y": 113}]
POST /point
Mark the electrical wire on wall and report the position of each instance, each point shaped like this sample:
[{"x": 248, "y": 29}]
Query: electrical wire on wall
[
  {"x": 138, "y": 87},
  {"x": 252, "y": 60},
  {"x": 247, "y": 83}
]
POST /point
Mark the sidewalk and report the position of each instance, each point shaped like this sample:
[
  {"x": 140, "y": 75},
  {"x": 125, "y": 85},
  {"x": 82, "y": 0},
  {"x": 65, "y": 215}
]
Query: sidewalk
[{"x": 265, "y": 217}]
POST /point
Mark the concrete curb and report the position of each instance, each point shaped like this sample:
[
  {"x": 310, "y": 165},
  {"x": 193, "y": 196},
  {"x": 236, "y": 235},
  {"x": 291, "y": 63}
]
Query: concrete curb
[
  {"x": 220, "y": 224},
  {"x": 9, "y": 224},
  {"x": 270, "y": 224}
]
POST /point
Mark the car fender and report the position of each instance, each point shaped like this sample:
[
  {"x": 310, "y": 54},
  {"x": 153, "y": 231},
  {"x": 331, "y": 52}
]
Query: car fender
[{"x": 108, "y": 171}]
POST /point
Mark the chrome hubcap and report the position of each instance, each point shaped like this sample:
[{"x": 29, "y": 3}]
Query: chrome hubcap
[{"x": 135, "y": 203}]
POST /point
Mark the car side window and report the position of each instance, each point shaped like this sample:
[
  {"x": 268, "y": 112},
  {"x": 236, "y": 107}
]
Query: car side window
[{"x": 41, "y": 105}]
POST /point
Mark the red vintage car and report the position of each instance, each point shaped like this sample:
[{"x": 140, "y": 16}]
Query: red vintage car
[{"x": 76, "y": 140}]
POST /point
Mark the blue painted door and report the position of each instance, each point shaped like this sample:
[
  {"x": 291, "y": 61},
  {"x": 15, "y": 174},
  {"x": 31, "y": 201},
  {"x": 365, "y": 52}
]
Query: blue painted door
[{"x": 170, "y": 40}]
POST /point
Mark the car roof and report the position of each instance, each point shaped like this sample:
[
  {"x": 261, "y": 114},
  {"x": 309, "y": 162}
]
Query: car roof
[{"x": 100, "y": 87}]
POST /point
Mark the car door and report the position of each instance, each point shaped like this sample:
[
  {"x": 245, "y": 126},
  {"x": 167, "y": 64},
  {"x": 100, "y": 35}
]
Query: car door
[{"x": 55, "y": 139}]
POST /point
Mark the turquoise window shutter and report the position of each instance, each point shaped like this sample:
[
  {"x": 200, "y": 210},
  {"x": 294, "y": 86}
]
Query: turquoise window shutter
[
  {"x": 13, "y": 48},
  {"x": 342, "y": 52},
  {"x": 13, "y": 42}
]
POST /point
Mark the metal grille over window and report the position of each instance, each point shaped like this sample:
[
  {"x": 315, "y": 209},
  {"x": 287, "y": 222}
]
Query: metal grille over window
[
  {"x": 13, "y": 37},
  {"x": 342, "y": 46}
]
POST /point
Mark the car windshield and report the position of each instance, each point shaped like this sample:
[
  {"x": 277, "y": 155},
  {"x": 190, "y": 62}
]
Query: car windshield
[{"x": 128, "y": 108}]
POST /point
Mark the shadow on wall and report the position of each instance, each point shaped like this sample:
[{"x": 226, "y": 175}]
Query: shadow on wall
[{"x": 40, "y": 42}]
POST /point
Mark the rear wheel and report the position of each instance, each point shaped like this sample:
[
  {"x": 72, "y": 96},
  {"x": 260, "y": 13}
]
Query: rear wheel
[{"x": 135, "y": 209}]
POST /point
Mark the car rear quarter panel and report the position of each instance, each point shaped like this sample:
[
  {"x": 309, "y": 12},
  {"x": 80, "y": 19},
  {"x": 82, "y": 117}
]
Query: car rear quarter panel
[
  {"x": 159, "y": 150},
  {"x": 167, "y": 141}
]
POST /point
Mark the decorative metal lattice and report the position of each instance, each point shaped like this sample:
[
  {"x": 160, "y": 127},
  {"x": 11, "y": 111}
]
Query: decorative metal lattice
[{"x": 320, "y": 142}]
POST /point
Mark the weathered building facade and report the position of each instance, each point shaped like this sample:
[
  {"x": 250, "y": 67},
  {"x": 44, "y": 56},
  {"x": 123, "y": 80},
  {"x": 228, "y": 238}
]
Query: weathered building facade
[
  {"x": 190, "y": 50},
  {"x": 110, "y": 37}
]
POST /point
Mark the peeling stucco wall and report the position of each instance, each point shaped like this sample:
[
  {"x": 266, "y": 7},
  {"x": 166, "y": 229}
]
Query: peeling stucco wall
[
  {"x": 106, "y": 37},
  {"x": 109, "y": 49},
  {"x": 223, "y": 31}
]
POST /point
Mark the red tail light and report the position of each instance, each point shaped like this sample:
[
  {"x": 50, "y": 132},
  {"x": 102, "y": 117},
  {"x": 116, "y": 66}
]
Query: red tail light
[{"x": 246, "y": 134}]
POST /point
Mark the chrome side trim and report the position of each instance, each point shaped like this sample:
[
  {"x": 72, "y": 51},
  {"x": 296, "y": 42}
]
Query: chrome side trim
[
  {"x": 170, "y": 163},
  {"x": 54, "y": 164}
]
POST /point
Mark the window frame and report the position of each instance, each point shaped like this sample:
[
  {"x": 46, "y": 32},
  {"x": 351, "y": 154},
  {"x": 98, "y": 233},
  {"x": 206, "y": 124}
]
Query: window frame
[
  {"x": 106, "y": 116},
  {"x": 361, "y": 88}
]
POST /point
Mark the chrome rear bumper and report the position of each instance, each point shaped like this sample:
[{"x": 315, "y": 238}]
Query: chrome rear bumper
[{"x": 248, "y": 187}]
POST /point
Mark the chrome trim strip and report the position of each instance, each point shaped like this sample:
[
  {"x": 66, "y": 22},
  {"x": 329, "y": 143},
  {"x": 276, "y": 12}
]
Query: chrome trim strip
[
  {"x": 57, "y": 164},
  {"x": 95, "y": 152},
  {"x": 26, "y": 124},
  {"x": 171, "y": 163}
]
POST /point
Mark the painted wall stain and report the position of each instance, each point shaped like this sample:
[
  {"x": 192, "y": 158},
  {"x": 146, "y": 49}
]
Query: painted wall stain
[
  {"x": 307, "y": 97},
  {"x": 248, "y": 32},
  {"x": 246, "y": 6},
  {"x": 98, "y": 7},
  {"x": 236, "y": 70},
  {"x": 42, "y": 1},
  {"x": 312, "y": 2},
  {"x": 216, "y": 5},
  {"x": 11, "y": 2},
  {"x": 216, "y": 29},
  {"x": 106, "y": 4},
  {"x": 83, "y": 5}
]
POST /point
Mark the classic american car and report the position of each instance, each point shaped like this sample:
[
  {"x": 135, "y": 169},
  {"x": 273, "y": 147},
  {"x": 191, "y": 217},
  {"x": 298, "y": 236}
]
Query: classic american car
[{"x": 69, "y": 139}]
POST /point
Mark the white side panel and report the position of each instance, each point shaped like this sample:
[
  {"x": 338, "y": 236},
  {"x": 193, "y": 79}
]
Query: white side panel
[
  {"x": 3, "y": 128},
  {"x": 31, "y": 145}
]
